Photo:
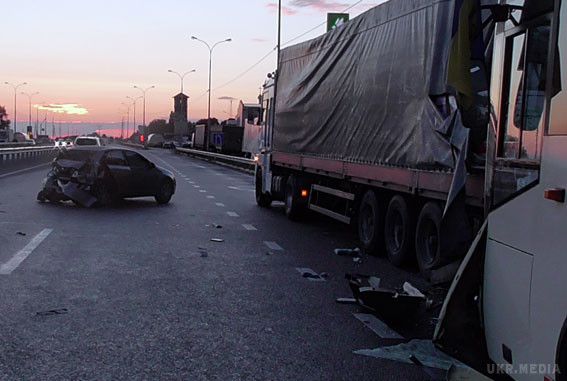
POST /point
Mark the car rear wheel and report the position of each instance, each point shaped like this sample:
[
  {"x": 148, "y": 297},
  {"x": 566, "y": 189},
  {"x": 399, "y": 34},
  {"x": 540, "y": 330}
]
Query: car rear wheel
[{"x": 165, "y": 193}]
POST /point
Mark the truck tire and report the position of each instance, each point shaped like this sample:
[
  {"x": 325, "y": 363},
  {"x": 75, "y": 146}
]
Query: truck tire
[
  {"x": 399, "y": 231},
  {"x": 428, "y": 238},
  {"x": 371, "y": 223},
  {"x": 263, "y": 200},
  {"x": 294, "y": 205}
]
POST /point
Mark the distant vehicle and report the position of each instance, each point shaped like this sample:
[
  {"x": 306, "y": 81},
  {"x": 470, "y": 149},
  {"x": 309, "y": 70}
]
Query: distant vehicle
[
  {"x": 6, "y": 135},
  {"x": 20, "y": 137},
  {"x": 94, "y": 175},
  {"x": 43, "y": 140},
  {"x": 88, "y": 141},
  {"x": 155, "y": 140}
]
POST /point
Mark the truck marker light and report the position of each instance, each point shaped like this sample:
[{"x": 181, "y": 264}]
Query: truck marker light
[
  {"x": 557, "y": 195},
  {"x": 304, "y": 193}
]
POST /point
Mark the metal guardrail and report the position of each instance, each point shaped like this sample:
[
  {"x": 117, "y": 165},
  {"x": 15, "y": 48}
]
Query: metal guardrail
[
  {"x": 232, "y": 161},
  {"x": 10, "y": 154}
]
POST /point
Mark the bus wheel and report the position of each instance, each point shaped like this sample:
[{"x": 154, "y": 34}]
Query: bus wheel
[
  {"x": 428, "y": 238},
  {"x": 294, "y": 205},
  {"x": 398, "y": 231},
  {"x": 263, "y": 200},
  {"x": 371, "y": 223}
]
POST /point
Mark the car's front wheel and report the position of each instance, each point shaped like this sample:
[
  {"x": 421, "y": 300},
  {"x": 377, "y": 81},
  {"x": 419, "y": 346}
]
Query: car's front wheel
[{"x": 165, "y": 193}]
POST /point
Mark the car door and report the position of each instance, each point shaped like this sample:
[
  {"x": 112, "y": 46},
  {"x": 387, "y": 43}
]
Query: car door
[
  {"x": 119, "y": 170},
  {"x": 144, "y": 175}
]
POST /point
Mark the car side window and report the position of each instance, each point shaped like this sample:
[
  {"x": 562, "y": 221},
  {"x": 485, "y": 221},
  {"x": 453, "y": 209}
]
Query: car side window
[
  {"x": 115, "y": 158},
  {"x": 135, "y": 160}
]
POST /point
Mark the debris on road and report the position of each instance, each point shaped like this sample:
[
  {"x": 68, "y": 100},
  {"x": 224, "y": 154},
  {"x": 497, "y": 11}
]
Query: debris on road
[
  {"x": 310, "y": 274},
  {"x": 388, "y": 303},
  {"x": 357, "y": 260},
  {"x": 213, "y": 225},
  {"x": 378, "y": 326},
  {"x": 348, "y": 252},
  {"x": 422, "y": 352},
  {"x": 203, "y": 251},
  {"x": 346, "y": 301},
  {"x": 217, "y": 240},
  {"x": 21, "y": 233},
  {"x": 59, "y": 311}
]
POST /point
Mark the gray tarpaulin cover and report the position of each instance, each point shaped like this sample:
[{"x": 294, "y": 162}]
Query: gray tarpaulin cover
[{"x": 362, "y": 93}]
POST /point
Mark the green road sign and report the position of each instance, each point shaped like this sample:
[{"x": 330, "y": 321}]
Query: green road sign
[{"x": 335, "y": 20}]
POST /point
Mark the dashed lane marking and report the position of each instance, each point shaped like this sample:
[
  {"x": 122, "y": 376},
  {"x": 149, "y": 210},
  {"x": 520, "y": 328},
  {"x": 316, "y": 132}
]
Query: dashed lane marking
[
  {"x": 232, "y": 214},
  {"x": 273, "y": 245},
  {"x": 249, "y": 227},
  {"x": 12, "y": 264},
  {"x": 220, "y": 204},
  {"x": 211, "y": 197},
  {"x": 203, "y": 191}
]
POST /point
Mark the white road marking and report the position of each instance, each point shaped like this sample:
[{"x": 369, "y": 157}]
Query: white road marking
[
  {"x": 21, "y": 255},
  {"x": 220, "y": 204},
  {"x": 210, "y": 196},
  {"x": 273, "y": 245},
  {"x": 233, "y": 187},
  {"x": 249, "y": 227},
  {"x": 232, "y": 214},
  {"x": 378, "y": 326},
  {"x": 196, "y": 186},
  {"x": 203, "y": 191},
  {"x": 191, "y": 182},
  {"x": 24, "y": 170}
]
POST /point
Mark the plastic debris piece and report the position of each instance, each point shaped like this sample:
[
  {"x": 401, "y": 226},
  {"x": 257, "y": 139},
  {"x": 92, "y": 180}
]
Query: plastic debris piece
[
  {"x": 59, "y": 311},
  {"x": 21, "y": 233},
  {"x": 348, "y": 252},
  {"x": 411, "y": 290},
  {"x": 374, "y": 282},
  {"x": 217, "y": 240},
  {"x": 346, "y": 300}
]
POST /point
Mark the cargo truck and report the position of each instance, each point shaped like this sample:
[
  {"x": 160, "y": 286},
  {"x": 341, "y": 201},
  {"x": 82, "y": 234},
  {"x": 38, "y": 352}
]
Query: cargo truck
[{"x": 427, "y": 123}]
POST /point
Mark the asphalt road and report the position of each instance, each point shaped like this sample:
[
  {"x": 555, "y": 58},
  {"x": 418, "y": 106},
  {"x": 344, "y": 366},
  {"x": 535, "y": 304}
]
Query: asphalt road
[{"x": 127, "y": 293}]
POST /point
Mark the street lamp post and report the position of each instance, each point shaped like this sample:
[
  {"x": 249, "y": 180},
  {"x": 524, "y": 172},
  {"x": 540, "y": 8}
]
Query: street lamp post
[
  {"x": 208, "y": 127},
  {"x": 134, "y": 100},
  {"x": 127, "y": 119},
  {"x": 181, "y": 76},
  {"x": 144, "y": 112},
  {"x": 16, "y": 87},
  {"x": 30, "y": 96}
]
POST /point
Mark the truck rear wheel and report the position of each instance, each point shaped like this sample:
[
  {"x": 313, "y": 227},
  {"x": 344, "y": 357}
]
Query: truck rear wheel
[
  {"x": 263, "y": 200},
  {"x": 428, "y": 238},
  {"x": 371, "y": 223},
  {"x": 294, "y": 205},
  {"x": 399, "y": 231}
]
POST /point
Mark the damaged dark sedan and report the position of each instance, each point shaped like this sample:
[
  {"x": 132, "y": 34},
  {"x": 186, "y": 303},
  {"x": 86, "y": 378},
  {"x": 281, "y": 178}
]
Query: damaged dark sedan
[{"x": 101, "y": 176}]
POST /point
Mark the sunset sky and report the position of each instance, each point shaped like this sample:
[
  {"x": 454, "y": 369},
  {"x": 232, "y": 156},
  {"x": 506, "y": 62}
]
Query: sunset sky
[{"x": 85, "y": 56}]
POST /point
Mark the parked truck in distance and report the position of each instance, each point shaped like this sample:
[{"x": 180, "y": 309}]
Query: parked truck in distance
[{"x": 427, "y": 124}]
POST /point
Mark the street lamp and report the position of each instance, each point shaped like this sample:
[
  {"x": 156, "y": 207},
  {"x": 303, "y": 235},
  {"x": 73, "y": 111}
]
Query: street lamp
[
  {"x": 30, "y": 96},
  {"x": 181, "y": 76},
  {"x": 15, "y": 87},
  {"x": 134, "y": 100},
  {"x": 144, "y": 114},
  {"x": 127, "y": 119},
  {"x": 210, "y": 69}
]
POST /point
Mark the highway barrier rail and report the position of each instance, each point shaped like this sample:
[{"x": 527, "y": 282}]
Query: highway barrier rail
[
  {"x": 240, "y": 163},
  {"x": 21, "y": 158}
]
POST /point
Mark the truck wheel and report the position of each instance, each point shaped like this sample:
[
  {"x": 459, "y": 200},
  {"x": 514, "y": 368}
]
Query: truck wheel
[
  {"x": 428, "y": 238},
  {"x": 263, "y": 200},
  {"x": 398, "y": 232},
  {"x": 294, "y": 206},
  {"x": 371, "y": 223}
]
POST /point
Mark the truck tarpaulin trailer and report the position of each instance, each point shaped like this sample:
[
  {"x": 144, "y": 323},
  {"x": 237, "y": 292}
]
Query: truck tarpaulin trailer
[{"x": 419, "y": 120}]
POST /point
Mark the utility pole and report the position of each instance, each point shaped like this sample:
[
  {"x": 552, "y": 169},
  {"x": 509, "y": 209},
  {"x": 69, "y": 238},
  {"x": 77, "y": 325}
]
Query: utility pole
[
  {"x": 16, "y": 87},
  {"x": 181, "y": 76},
  {"x": 144, "y": 112}
]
